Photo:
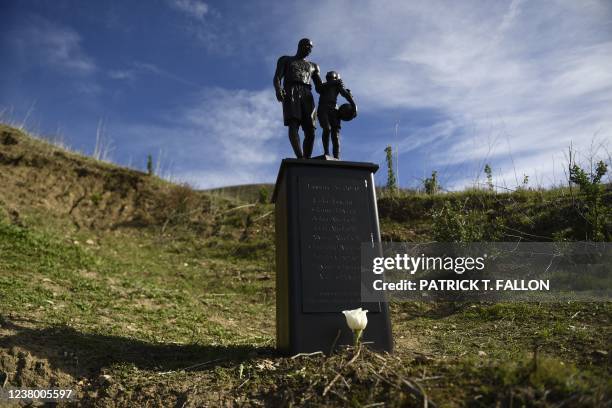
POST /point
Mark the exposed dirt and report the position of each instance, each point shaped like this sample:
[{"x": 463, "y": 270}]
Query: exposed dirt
[{"x": 94, "y": 194}]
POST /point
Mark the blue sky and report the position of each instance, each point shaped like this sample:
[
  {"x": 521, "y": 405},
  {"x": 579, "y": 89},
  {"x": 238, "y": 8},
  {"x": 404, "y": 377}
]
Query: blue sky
[{"x": 450, "y": 85}]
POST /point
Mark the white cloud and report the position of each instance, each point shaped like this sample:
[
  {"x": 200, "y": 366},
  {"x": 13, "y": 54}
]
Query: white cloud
[
  {"x": 121, "y": 74},
  {"x": 222, "y": 137},
  {"x": 241, "y": 121},
  {"x": 152, "y": 68},
  {"x": 216, "y": 34},
  {"x": 137, "y": 68},
  {"x": 510, "y": 82},
  {"x": 42, "y": 42},
  {"x": 193, "y": 8},
  {"x": 533, "y": 76}
]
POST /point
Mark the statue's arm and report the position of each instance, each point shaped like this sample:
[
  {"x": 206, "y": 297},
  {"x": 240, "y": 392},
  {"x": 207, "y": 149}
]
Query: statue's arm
[
  {"x": 346, "y": 93},
  {"x": 316, "y": 78},
  {"x": 278, "y": 75}
]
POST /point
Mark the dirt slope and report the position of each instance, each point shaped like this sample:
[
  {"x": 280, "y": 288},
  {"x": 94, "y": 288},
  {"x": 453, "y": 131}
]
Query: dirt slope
[{"x": 94, "y": 194}]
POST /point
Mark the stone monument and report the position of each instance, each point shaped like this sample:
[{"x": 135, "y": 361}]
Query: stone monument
[{"x": 325, "y": 210}]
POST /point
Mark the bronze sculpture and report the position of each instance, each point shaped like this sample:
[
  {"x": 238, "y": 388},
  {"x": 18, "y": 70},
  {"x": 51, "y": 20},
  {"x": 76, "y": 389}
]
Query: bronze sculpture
[
  {"x": 329, "y": 116},
  {"x": 296, "y": 96}
]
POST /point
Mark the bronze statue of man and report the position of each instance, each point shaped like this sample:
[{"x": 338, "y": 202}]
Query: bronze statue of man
[{"x": 295, "y": 94}]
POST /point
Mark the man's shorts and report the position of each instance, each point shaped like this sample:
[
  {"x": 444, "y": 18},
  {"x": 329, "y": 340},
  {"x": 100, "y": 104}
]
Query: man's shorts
[{"x": 299, "y": 105}]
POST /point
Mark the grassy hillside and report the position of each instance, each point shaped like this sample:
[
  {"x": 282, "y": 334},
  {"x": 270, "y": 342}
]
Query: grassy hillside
[
  {"x": 246, "y": 192},
  {"x": 133, "y": 291}
]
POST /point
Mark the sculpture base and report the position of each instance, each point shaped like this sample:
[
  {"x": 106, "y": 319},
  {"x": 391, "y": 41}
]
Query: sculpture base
[
  {"x": 325, "y": 209},
  {"x": 324, "y": 157}
]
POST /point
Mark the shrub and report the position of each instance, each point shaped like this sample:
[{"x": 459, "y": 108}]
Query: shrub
[
  {"x": 149, "y": 165},
  {"x": 595, "y": 213},
  {"x": 454, "y": 222},
  {"x": 391, "y": 180},
  {"x": 96, "y": 198},
  {"x": 431, "y": 184},
  {"x": 489, "y": 172},
  {"x": 263, "y": 195}
]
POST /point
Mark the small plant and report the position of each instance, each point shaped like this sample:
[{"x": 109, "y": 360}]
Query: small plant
[
  {"x": 391, "y": 180},
  {"x": 454, "y": 222},
  {"x": 489, "y": 172},
  {"x": 96, "y": 198},
  {"x": 104, "y": 144},
  {"x": 525, "y": 181},
  {"x": 149, "y": 165},
  {"x": 263, "y": 195},
  {"x": 431, "y": 184},
  {"x": 592, "y": 188},
  {"x": 177, "y": 205}
]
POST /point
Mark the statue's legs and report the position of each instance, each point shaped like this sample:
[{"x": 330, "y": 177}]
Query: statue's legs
[
  {"x": 336, "y": 142},
  {"x": 309, "y": 137},
  {"x": 326, "y": 141},
  {"x": 294, "y": 139}
]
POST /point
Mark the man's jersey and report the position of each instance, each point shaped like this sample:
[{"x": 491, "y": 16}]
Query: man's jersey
[{"x": 297, "y": 70}]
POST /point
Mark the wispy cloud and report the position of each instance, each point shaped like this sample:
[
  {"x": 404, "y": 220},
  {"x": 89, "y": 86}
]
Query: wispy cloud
[
  {"x": 193, "y": 8},
  {"x": 221, "y": 137},
  {"x": 152, "y": 68},
  {"x": 511, "y": 83},
  {"x": 242, "y": 122},
  {"x": 217, "y": 34},
  {"x": 44, "y": 43},
  {"x": 538, "y": 71},
  {"x": 137, "y": 68},
  {"x": 121, "y": 74}
]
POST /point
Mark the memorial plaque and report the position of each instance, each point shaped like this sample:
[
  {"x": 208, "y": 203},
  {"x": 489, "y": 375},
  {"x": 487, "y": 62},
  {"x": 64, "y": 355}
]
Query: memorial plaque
[
  {"x": 324, "y": 211},
  {"x": 333, "y": 218}
]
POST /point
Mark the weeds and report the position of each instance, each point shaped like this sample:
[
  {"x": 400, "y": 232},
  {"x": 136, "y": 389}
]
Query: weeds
[
  {"x": 489, "y": 173},
  {"x": 263, "y": 195},
  {"x": 455, "y": 222},
  {"x": 595, "y": 212},
  {"x": 431, "y": 185},
  {"x": 149, "y": 165},
  {"x": 104, "y": 145},
  {"x": 391, "y": 180}
]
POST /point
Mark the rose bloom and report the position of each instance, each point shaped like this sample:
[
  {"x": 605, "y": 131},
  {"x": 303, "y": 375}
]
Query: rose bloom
[{"x": 356, "y": 319}]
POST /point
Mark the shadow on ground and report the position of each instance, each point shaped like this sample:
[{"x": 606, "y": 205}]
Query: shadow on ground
[{"x": 85, "y": 354}]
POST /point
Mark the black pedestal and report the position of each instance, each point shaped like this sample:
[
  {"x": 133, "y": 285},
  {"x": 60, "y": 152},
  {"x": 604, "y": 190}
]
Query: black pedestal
[{"x": 325, "y": 210}]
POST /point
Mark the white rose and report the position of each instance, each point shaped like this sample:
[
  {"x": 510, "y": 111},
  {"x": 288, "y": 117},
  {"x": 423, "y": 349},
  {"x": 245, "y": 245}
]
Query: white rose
[{"x": 356, "y": 319}]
